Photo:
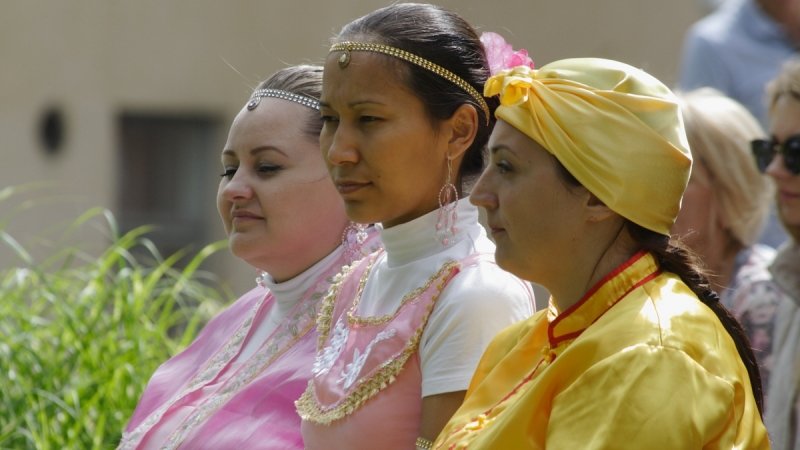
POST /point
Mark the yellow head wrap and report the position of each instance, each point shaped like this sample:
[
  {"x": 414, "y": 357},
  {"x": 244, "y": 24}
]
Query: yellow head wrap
[{"x": 615, "y": 128}]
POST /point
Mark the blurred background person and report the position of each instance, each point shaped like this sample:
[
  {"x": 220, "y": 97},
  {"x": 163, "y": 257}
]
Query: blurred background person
[
  {"x": 235, "y": 385},
  {"x": 727, "y": 199},
  {"x": 770, "y": 308},
  {"x": 737, "y": 49}
]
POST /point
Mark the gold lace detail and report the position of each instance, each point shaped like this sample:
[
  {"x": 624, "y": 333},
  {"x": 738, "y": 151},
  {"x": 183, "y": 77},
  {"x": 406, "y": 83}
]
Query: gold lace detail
[
  {"x": 328, "y": 303},
  {"x": 309, "y": 408},
  {"x": 424, "y": 444},
  {"x": 354, "y": 319}
]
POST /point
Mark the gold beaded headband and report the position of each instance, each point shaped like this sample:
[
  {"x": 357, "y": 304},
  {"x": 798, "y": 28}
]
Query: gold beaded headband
[
  {"x": 255, "y": 99},
  {"x": 349, "y": 46}
]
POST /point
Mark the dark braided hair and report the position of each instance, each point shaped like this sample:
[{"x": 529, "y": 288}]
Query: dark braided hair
[{"x": 673, "y": 256}]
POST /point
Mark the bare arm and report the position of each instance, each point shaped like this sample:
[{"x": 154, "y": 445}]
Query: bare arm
[{"x": 437, "y": 411}]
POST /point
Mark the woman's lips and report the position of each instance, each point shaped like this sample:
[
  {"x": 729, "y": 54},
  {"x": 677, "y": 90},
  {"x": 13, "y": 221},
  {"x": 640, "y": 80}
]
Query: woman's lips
[
  {"x": 349, "y": 187},
  {"x": 241, "y": 216},
  {"x": 495, "y": 230},
  {"x": 788, "y": 196}
]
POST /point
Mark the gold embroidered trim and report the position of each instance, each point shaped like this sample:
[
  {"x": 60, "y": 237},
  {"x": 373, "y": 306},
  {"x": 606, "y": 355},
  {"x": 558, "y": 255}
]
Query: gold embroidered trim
[
  {"x": 424, "y": 444},
  {"x": 328, "y": 303},
  {"x": 354, "y": 319},
  {"x": 349, "y": 46},
  {"x": 309, "y": 408}
]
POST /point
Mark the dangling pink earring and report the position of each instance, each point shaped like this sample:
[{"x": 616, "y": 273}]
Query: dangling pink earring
[
  {"x": 448, "y": 198},
  {"x": 353, "y": 237}
]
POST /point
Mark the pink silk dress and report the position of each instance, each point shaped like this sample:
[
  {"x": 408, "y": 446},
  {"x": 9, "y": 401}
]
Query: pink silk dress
[
  {"x": 208, "y": 398},
  {"x": 368, "y": 368}
]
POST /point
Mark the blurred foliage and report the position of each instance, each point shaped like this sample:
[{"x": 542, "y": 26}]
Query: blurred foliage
[{"x": 81, "y": 334}]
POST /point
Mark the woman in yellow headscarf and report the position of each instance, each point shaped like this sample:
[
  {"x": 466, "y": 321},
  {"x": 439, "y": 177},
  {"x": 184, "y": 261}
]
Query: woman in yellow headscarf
[{"x": 589, "y": 162}]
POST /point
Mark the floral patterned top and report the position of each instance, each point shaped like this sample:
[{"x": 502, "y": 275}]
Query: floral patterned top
[{"x": 768, "y": 306}]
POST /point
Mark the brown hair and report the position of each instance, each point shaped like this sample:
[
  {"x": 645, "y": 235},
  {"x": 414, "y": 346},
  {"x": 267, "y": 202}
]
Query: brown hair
[{"x": 303, "y": 80}]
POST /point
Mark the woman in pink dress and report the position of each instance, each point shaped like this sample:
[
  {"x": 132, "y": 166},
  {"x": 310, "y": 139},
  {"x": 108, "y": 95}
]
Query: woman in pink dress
[
  {"x": 235, "y": 385},
  {"x": 401, "y": 331}
]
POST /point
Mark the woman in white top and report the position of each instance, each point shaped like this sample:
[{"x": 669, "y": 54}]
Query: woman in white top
[{"x": 401, "y": 331}]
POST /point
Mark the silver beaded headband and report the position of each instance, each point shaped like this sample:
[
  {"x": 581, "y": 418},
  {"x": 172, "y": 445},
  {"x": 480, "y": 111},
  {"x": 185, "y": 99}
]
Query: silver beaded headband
[
  {"x": 349, "y": 46},
  {"x": 255, "y": 99}
]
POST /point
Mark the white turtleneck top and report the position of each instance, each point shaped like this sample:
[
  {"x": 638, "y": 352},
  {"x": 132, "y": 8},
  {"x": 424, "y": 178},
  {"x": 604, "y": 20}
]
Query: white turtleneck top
[
  {"x": 286, "y": 295},
  {"x": 479, "y": 302}
]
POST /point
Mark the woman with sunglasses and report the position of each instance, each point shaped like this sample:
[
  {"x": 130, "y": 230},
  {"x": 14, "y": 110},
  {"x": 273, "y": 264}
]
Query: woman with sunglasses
[{"x": 770, "y": 308}]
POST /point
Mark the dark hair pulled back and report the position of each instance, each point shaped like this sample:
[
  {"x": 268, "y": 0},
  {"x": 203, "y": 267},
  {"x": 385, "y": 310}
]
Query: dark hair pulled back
[
  {"x": 673, "y": 256},
  {"x": 444, "y": 38},
  {"x": 303, "y": 80}
]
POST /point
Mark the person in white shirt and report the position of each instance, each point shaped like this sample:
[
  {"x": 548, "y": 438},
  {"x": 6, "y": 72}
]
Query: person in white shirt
[{"x": 402, "y": 331}]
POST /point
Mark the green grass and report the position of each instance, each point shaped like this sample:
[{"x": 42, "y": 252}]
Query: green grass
[{"x": 81, "y": 334}]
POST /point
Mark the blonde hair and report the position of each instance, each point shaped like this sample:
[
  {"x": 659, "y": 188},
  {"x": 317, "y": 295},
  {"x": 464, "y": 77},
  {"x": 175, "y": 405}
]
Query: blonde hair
[
  {"x": 719, "y": 130},
  {"x": 786, "y": 82}
]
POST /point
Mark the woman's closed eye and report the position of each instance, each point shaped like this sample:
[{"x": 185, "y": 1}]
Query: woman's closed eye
[
  {"x": 368, "y": 118},
  {"x": 268, "y": 169},
  {"x": 503, "y": 166},
  {"x": 229, "y": 172},
  {"x": 261, "y": 169}
]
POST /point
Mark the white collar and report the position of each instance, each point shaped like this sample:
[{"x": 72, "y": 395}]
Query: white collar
[
  {"x": 289, "y": 292},
  {"x": 417, "y": 239}
]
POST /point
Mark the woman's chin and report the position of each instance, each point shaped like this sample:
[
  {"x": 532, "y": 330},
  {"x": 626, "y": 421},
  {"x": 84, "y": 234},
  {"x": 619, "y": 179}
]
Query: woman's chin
[{"x": 360, "y": 213}]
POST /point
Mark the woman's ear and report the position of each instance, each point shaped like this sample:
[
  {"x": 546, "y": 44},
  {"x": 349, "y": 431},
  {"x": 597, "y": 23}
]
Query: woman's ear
[
  {"x": 462, "y": 128},
  {"x": 596, "y": 210}
]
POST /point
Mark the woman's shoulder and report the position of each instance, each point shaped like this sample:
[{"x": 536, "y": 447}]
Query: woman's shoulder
[
  {"x": 227, "y": 321},
  {"x": 680, "y": 321},
  {"x": 242, "y": 304},
  {"x": 482, "y": 280},
  {"x": 480, "y": 265},
  {"x": 483, "y": 295},
  {"x": 666, "y": 313}
]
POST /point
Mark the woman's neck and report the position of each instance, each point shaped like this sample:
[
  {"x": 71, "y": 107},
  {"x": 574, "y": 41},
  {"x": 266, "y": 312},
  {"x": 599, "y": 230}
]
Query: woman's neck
[
  {"x": 578, "y": 280},
  {"x": 288, "y": 268}
]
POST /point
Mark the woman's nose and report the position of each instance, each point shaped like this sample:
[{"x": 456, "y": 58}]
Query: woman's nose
[
  {"x": 777, "y": 168},
  {"x": 482, "y": 194},
  {"x": 238, "y": 187},
  {"x": 341, "y": 148}
]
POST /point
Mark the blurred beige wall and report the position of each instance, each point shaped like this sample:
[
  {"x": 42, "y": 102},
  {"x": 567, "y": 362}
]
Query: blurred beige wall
[{"x": 98, "y": 58}]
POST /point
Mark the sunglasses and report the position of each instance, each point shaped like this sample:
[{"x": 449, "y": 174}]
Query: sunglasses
[{"x": 764, "y": 150}]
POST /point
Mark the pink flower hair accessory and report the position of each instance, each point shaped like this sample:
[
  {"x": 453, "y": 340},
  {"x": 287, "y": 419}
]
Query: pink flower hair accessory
[{"x": 501, "y": 55}]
